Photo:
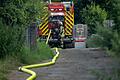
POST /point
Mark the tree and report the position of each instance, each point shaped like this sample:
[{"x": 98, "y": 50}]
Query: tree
[
  {"x": 80, "y": 4},
  {"x": 92, "y": 15},
  {"x": 15, "y": 17},
  {"x": 78, "y": 7},
  {"x": 116, "y": 15}
]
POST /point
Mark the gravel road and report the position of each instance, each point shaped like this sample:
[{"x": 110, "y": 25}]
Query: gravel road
[{"x": 73, "y": 64}]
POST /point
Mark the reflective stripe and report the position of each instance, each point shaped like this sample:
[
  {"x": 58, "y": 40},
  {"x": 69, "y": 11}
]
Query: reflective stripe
[
  {"x": 71, "y": 18},
  {"x": 70, "y": 25},
  {"x": 46, "y": 19},
  {"x": 68, "y": 21},
  {"x": 46, "y": 15},
  {"x": 45, "y": 26},
  {"x": 46, "y": 32},
  {"x": 70, "y": 14},
  {"x": 67, "y": 32}
]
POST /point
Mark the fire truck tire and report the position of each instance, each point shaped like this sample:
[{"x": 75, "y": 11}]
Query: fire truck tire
[
  {"x": 69, "y": 45},
  {"x": 72, "y": 44}
]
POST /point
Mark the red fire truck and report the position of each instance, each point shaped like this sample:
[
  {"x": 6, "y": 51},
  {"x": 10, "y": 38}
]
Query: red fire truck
[{"x": 59, "y": 22}]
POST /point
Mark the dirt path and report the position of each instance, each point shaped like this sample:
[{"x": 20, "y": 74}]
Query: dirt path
[{"x": 73, "y": 64}]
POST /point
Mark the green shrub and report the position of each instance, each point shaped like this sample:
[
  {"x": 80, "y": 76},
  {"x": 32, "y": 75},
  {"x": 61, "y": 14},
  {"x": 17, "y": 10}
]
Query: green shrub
[
  {"x": 6, "y": 65},
  {"x": 94, "y": 41},
  {"x": 102, "y": 38},
  {"x": 43, "y": 52},
  {"x": 107, "y": 34},
  {"x": 91, "y": 15},
  {"x": 15, "y": 16},
  {"x": 3, "y": 76},
  {"x": 25, "y": 56},
  {"x": 113, "y": 75},
  {"x": 11, "y": 40},
  {"x": 115, "y": 50}
]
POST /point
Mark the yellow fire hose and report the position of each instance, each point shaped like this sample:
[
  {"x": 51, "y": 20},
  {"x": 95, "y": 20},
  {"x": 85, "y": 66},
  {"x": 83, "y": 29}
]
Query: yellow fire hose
[
  {"x": 33, "y": 74},
  {"x": 48, "y": 37}
]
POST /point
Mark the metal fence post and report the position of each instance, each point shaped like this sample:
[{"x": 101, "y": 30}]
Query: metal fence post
[{"x": 31, "y": 36}]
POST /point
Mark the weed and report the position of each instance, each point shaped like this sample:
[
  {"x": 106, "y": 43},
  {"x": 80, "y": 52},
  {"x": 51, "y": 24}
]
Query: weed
[{"x": 42, "y": 52}]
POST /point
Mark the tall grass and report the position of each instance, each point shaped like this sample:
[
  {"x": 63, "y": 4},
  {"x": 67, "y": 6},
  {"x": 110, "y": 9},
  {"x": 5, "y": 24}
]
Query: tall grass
[
  {"x": 43, "y": 52},
  {"x": 6, "y": 65},
  {"x": 25, "y": 57},
  {"x": 113, "y": 75},
  {"x": 109, "y": 40},
  {"x": 13, "y": 52},
  {"x": 11, "y": 40},
  {"x": 15, "y": 15}
]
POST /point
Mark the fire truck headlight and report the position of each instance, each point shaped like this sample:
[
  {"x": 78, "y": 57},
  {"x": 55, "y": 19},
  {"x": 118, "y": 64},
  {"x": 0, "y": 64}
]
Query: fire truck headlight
[
  {"x": 52, "y": 9},
  {"x": 60, "y": 9}
]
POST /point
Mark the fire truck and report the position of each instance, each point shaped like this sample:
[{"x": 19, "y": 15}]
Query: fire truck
[{"x": 57, "y": 25}]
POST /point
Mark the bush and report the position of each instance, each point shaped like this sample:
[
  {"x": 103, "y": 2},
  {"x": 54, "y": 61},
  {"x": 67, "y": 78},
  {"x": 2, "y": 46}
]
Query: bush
[
  {"x": 91, "y": 15},
  {"x": 25, "y": 56},
  {"x": 107, "y": 34},
  {"x": 94, "y": 41},
  {"x": 113, "y": 75},
  {"x": 115, "y": 50},
  {"x": 43, "y": 52},
  {"x": 15, "y": 16},
  {"x": 102, "y": 38},
  {"x": 11, "y": 40},
  {"x": 6, "y": 65}
]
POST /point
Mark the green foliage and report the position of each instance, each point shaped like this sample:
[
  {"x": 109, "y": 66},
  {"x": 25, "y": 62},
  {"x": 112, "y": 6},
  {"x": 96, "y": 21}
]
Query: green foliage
[
  {"x": 6, "y": 64},
  {"x": 106, "y": 38},
  {"x": 112, "y": 7},
  {"x": 43, "y": 52},
  {"x": 15, "y": 16},
  {"x": 35, "y": 9},
  {"x": 13, "y": 12},
  {"x": 102, "y": 38},
  {"x": 3, "y": 71},
  {"x": 21, "y": 12},
  {"x": 116, "y": 14},
  {"x": 115, "y": 50},
  {"x": 94, "y": 41},
  {"x": 81, "y": 4},
  {"x": 113, "y": 75},
  {"x": 11, "y": 40},
  {"x": 92, "y": 15},
  {"x": 107, "y": 34}
]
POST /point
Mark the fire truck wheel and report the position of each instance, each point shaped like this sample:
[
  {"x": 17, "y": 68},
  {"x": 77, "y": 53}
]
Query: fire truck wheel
[
  {"x": 69, "y": 45},
  {"x": 72, "y": 44}
]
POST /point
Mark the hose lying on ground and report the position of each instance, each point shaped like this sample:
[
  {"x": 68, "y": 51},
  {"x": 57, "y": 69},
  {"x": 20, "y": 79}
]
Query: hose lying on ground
[{"x": 33, "y": 74}]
